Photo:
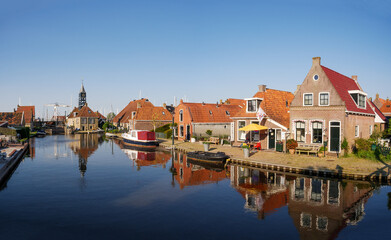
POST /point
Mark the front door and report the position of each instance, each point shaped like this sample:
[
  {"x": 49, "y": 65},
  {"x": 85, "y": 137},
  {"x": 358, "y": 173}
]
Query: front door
[
  {"x": 188, "y": 132},
  {"x": 335, "y": 129},
  {"x": 272, "y": 138}
]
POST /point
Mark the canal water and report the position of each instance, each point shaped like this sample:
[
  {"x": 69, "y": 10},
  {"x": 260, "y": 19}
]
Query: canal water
[{"x": 88, "y": 187}]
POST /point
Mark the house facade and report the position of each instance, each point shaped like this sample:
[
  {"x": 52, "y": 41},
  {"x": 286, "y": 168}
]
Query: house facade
[
  {"x": 329, "y": 106},
  {"x": 194, "y": 119},
  {"x": 123, "y": 118},
  {"x": 274, "y": 106},
  {"x": 83, "y": 119},
  {"x": 386, "y": 110}
]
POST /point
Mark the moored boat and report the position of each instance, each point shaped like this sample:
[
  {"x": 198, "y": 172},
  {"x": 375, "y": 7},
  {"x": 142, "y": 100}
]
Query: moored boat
[
  {"x": 41, "y": 133},
  {"x": 208, "y": 157},
  {"x": 140, "y": 139}
]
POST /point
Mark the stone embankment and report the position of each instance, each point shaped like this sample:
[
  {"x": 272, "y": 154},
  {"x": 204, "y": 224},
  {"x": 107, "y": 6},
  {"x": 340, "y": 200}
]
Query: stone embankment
[
  {"x": 14, "y": 154},
  {"x": 330, "y": 166}
]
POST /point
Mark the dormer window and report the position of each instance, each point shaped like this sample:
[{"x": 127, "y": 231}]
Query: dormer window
[
  {"x": 133, "y": 114},
  {"x": 210, "y": 112},
  {"x": 253, "y": 104},
  {"x": 226, "y": 112},
  {"x": 359, "y": 98}
]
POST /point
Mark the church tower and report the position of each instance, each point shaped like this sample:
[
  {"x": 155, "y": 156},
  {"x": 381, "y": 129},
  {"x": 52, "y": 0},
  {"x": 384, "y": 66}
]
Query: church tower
[{"x": 82, "y": 97}]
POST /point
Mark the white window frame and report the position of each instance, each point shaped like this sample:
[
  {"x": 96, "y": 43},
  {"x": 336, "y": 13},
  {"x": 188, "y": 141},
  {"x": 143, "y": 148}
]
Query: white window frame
[
  {"x": 305, "y": 135},
  {"x": 256, "y": 104},
  {"x": 238, "y": 131},
  {"x": 358, "y": 92},
  {"x": 312, "y": 95},
  {"x": 357, "y": 131},
  {"x": 328, "y": 103},
  {"x": 312, "y": 132},
  {"x": 181, "y": 115}
]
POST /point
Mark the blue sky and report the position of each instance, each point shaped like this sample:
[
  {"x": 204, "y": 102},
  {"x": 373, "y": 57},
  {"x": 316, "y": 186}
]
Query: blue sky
[{"x": 204, "y": 50}]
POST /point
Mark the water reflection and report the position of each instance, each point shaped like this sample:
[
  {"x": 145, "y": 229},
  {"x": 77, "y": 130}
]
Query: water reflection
[
  {"x": 84, "y": 145},
  {"x": 319, "y": 208},
  {"x": 191, "y": 174}
]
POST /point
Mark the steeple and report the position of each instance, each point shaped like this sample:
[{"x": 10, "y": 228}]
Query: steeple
[{"x": 82, "y": 96}]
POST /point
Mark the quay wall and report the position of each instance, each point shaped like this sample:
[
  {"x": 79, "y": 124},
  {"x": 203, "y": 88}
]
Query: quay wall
[
  {"x": 7, "y": 170},
  {"x": 339, "y": 174}
]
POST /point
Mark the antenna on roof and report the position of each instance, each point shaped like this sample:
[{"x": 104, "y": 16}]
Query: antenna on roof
[{"x": 20, "y": 101}]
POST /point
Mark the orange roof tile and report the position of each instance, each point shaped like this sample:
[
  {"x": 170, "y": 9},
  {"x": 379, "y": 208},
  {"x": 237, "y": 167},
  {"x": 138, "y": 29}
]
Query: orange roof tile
[
  {"x": 74, "y": 113},
  {"x": 85, "y": 111},
  {"x": 100, "y": 115},
  {"x": 150, "y": 113},
  {"x": 29, "y": 112},
  {"x": 275, "y": 103},
  {"x": 213, "y": 113},
  {"x": 386, "y": 108},
  {"x": 126, "y": 114}
]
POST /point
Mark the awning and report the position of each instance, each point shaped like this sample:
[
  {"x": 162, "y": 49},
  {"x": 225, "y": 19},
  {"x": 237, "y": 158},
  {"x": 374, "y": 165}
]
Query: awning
[{"x": 253, "y": 127}]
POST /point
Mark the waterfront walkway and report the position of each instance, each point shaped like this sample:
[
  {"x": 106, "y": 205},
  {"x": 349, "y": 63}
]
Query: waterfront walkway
[{"x": 350, "y": 167}]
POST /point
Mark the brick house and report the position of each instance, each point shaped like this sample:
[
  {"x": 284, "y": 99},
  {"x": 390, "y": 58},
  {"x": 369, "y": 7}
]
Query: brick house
[
  {"x": 194, "y": 119},
  {"x": 29, "y": 114},
  {"x": 379, "y": 101},
  {"x": 380, "y": 119},
  {"x": 275, "y": 104},
  {"x": 142, "y": 115},
  {"x": 330, "y": 106},
  {"x": 386, "y": 110},
  {"x": 83, "y": 119}
]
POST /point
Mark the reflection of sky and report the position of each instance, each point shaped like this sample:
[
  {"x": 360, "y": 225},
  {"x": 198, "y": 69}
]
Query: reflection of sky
[{"x": 153, "y": 193}]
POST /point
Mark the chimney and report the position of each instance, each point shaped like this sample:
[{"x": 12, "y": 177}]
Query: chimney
[
  {"x": 164, "y": 106},
  {"x": 138, "y": 105},
  {"x": 354, "y": 77},
  {"x": 181, "y": 101},
  {"x": 316, "y": 61},
  {"x": 261, "y": 88},
  {"x": 377, "y": 96},
  {"x": 203, "y": 103},
  {"x": 221, "y": 101}
]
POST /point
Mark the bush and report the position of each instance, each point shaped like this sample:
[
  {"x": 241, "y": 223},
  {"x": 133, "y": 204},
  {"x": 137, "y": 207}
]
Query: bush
[
  {"x": 168, "y": 133},
  {"x": 366, "y": 154},
  {"x": 362, "y": 144},
  {"x": 291, "y": 144},
  {"x": 321, "y": 149},
  {"x": 163, "y": 128},
  {"x": 209, "y": 132}
]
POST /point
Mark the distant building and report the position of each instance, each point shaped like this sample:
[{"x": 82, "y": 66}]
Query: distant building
[
  {"x": 379, "y": 101},
  {"x": 142, "y": 115},
  {"x": 23, "y": 116},
  {"x": 84, "y": 119},
  {"x": 29, "y": 115},
  {"x": 194, "y": 119},
  {"x": 82, "y": 97},
  {"x": 329, "y": 106}
]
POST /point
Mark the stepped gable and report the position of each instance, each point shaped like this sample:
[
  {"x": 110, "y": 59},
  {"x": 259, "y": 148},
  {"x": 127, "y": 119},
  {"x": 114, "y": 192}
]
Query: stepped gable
[
  {"x": 126, "y": 114},
  {"x": 342, "y": 85},
  {"x": 29, "y": 112},
  {"x": 150, "y": 113},
  {"x": 212, "y": 113},
  {"x": 386, "y": 108},
  {"x": 275, "y": 103}
]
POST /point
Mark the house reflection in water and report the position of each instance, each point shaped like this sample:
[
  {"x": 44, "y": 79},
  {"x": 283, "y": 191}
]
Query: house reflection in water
[
  {"x": 264, "y": 192},
  {"x": 189, "y": 174},
  {"x": 84, "y": 146},
  {"x": 320, "y": 208},
  {"x": 145, "y": 158}
]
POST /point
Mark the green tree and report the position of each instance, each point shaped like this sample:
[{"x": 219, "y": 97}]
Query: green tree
[{"x": 110, "y": 116}]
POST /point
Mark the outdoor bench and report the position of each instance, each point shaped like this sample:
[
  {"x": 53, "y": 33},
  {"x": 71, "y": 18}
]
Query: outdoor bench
[
  {"x": 307, "y": 149},
  {"x": 214, "y": 140}
]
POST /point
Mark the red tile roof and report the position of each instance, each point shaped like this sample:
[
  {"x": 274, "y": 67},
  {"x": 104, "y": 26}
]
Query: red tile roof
[
  {"x": 386, "y": 108},
  {"x": 150, "y": 113},
  {"x": 275, "y": 103},
  {"x": 378, "y": 112},
  {"x": 100, "y": 115},
  {"x": 85, "y": 111},
  {"x": 13, "y": 118},
  {"x": 211, "y": 112},
  {"x": 29, "y": 112},
  {"x": 342, "y": 85},
  {"x": 126, "y": 114},
  {"x": 72, "y": 114}
]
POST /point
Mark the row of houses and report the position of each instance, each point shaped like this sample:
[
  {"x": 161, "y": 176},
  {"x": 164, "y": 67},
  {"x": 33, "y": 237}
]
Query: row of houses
[{"x": 326, "y": 108}]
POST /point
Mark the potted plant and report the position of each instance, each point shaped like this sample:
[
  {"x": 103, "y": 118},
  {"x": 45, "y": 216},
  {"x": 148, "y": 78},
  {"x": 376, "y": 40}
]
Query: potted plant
[
  {"x": 246, "y": 150},
  {"x": 291, "y": 144},
  {"x": 321, "y": 151},
  {"x": 206, "y": 146}
]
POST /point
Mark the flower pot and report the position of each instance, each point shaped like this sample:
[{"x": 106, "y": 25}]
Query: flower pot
[
  {"x": 246, "y": 152},
  {"x": 320, "y": 154},
  {"x": 206, "y": 147},
  {"x": 292, "y": 151}
]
